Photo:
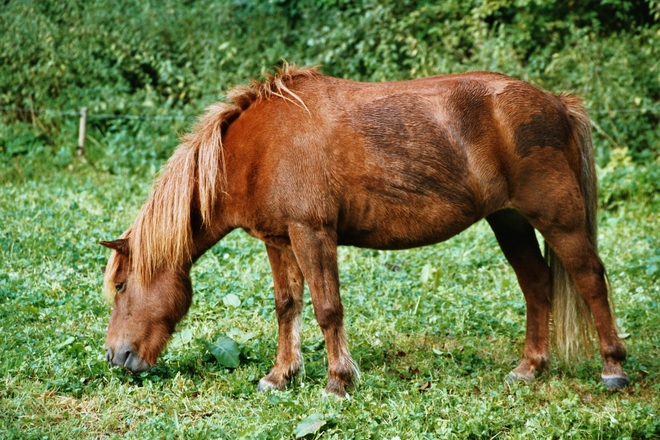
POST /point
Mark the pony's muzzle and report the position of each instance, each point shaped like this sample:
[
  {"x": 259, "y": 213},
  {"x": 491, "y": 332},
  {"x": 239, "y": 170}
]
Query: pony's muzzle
[{"x": 128, "y": 358}]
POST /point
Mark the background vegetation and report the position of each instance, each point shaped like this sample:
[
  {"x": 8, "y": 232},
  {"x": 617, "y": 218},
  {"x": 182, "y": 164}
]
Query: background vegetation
[
  {"x": 173, "y": 58},
  {"x": 435, "y": 330}
]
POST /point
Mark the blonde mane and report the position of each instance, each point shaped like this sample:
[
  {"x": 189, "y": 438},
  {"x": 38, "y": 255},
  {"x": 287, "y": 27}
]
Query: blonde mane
[{"x": 162, "y": 236}]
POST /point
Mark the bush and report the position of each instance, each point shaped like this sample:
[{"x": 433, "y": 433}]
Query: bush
[{"x": 174, "y": 58}]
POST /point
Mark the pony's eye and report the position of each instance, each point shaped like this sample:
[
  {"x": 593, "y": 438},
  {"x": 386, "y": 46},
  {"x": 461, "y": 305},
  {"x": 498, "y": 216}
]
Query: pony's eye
[{"x": 120, "y": 287}]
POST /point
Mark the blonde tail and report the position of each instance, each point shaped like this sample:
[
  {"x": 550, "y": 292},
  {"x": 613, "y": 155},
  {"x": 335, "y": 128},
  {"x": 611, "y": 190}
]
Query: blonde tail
[{"x": 572, "y": 319}]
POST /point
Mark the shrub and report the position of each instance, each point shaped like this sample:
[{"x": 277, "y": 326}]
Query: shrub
[{"x": 171, "y": 59}]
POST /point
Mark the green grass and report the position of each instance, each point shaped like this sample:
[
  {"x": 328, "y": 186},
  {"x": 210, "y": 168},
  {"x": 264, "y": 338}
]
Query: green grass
[{"x": 450, "y": 314}]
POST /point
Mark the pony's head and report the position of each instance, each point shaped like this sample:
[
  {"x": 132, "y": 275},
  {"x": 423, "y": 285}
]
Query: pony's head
[
  {"x": 143, "y": 316},
  {"x": 147, "y": 277}
]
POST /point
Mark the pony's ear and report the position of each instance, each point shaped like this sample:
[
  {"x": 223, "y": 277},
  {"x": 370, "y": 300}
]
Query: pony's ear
[{"x": 120, "y": 245}]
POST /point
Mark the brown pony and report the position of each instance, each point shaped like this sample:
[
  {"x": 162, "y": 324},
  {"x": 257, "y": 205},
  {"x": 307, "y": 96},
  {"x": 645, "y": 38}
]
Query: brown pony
[{"x": 306, "y": 162}]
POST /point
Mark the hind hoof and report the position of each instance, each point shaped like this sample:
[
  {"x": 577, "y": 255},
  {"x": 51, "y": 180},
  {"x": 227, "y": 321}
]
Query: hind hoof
[
  {"x": 616, "y": 383},
  {"x": 516, "y": 377}
]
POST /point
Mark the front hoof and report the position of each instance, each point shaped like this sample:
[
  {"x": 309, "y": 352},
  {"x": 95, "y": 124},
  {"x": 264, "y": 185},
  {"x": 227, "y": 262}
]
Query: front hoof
[
  {"x": 335, "y": 388},
  {"x": 616, "y": 383},
  {"x": 266, "y": 385}
]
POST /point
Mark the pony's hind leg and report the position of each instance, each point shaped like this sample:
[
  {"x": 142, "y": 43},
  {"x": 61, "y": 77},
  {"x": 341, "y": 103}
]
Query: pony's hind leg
[
  {"x": 574, "y": 250},
  {"x": 554, "y": 204},
  {"x": 288, "y": 283},
  {"x": 517, "y": 240},
  {"x": 316, "y": 252}
]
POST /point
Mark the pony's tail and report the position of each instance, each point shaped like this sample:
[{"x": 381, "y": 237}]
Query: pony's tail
[{"x": 572, "y": 319}]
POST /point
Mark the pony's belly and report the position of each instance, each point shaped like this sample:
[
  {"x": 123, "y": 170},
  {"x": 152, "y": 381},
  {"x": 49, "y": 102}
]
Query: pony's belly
[{"x": 404, "y": 229}]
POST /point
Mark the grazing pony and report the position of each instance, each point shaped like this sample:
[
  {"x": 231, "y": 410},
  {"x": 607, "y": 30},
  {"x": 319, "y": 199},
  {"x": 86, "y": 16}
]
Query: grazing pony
[{"x": 306, "y": 162}]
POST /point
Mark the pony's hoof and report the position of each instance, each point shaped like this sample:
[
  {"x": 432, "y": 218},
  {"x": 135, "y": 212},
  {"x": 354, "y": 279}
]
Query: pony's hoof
[
  {"x": 517, "y": 377},
  {"x": 266, "y": 385},
  {"x": 337, "y": 394},
  {"x": 616, "y": 383},
  {"x": 335, "y": 389}
]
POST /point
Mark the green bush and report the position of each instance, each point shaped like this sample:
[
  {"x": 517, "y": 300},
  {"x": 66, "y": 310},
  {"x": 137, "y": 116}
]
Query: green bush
[{"x": 172, "y": 58}]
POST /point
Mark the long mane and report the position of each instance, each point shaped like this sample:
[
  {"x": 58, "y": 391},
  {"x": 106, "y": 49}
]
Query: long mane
[{"x": 162, "y": 236}]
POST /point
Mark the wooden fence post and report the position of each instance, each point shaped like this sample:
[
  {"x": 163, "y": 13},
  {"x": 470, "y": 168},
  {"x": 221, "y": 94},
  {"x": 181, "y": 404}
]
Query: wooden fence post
[{"x": 82, "y": 131}]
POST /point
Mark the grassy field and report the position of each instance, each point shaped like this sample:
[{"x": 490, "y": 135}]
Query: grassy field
[{"x": 435, "y": 331}]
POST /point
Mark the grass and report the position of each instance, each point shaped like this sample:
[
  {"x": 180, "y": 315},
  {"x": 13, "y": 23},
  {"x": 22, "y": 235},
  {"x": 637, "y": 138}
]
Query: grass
[{"x": 435, "y": 331}]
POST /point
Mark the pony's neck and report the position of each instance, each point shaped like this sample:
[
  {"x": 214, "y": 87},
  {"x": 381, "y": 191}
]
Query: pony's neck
[{"x": 205, "y": 237}]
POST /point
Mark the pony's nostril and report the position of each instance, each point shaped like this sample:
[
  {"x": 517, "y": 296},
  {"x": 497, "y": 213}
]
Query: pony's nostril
[
  {"x": 136, "y": 364},
  {"x": 119, "y": 356},
  {"x": 126, "y": 356}
]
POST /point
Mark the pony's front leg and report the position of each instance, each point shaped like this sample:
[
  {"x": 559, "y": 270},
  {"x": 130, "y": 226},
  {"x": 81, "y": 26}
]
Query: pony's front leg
[
  {"x": 518, "y": 243},
  {"x": 288, "y": 282},
  {"x": 316, "y": 252}
]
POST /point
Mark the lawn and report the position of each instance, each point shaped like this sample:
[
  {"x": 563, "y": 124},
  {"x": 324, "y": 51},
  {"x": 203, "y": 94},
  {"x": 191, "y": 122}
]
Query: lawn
[{"x": 435, "y": 331}]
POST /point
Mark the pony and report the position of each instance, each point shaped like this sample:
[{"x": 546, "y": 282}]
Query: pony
[{"x": 306, "y": 162}]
